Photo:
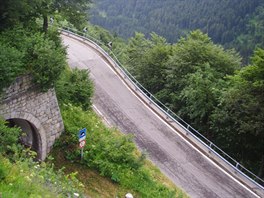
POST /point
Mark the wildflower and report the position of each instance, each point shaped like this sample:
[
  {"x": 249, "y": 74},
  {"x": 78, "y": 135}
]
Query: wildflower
[
  {"x": 28, "y": 178},
  {"x": 37, "y": 166}
]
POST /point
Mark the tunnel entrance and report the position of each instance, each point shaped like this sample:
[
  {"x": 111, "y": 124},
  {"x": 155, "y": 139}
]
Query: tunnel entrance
[{"x": 29, "y": 137}]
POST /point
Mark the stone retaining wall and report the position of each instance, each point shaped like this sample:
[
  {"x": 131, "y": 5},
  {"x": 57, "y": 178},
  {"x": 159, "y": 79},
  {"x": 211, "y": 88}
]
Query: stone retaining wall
[{"x": 23, "y": 100}]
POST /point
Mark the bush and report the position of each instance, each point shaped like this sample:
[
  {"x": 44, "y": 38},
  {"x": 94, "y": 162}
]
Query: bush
[
  {"x": 35, "y": 53},
  {"x": 8, "y": 139},
  {"x": 10, "y": 64},
  {"x": 75, "y": 87},
  {"x": 46, "y": 61}
]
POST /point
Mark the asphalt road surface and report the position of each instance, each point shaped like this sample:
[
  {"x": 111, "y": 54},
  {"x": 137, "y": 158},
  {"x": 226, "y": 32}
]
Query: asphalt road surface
[{"x": 120, "y": 107}]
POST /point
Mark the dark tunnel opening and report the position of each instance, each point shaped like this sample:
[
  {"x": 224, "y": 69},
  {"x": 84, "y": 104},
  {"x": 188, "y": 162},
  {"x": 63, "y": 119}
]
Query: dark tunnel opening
[{"x": 29, "y": 137}]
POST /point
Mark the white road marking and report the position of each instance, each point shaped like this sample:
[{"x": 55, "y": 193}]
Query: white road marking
[{"x": 101, "y": 115}]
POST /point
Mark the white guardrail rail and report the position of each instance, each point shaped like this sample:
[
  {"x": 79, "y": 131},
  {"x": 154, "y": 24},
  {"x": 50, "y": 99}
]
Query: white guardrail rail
[{"x": 229, "y": 164}]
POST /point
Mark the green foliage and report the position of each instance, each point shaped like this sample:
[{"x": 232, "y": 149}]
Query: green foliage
[
  {"x": 39, "y": 55},
  {"x": 224, "y": 21},
  {"x": 74, "y": 11},
  {"x": 186, "y": 76},
  {"x": 75, "y": 87},
  {"x": 200, "y": 97},
  {"x": 25, "y": 12},
  {"x": 191, "y": 78},
  {"x": 195, "y": 73},
  {"x": 253, "y": 37},
  {"x": 105, "y": 147},
  {"x": 112, "y": 154},
  {"x": 10, "y": 64},
  {"x": 8, "y": 139},
  {"x": 238, "y": 121},
  {"x": 137, "y": 47},
  {"x": 146, "y": 60},
  {"x": 26, "y": 178},
  {"x": 46, "y": 61},
  {"x": 15, "y": 12},
  {"x": 153, "y": 67}
]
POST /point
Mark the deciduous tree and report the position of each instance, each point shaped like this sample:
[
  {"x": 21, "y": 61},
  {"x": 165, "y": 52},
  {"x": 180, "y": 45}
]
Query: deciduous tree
[{"x": 238, "y": 121}]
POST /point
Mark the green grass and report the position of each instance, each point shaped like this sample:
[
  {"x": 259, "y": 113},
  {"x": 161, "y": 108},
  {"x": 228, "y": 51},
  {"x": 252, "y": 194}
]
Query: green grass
[
  {"x": 26, "y": 179},
  {"x": 111, "y": 160},
  {"x": 22, "y": 177}
]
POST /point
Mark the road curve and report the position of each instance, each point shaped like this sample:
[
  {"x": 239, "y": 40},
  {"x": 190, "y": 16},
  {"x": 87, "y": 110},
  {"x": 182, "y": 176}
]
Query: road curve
[{"x": 184, "y": 165}]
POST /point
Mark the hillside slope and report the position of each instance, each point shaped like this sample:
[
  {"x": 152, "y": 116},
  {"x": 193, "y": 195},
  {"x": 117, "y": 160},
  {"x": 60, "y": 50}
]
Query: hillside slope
[{"x": 224, "y": 21}]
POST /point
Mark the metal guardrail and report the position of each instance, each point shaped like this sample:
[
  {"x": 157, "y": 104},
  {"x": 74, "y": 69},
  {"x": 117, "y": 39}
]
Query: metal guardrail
[{"x": 189, "y": 129}]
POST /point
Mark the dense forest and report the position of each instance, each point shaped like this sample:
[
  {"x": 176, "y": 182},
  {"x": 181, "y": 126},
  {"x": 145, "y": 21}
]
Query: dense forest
[
  {"x": 197, "y": 73},
  {"x": 207, "y": 86},
  {"x": 232, "y": 23}
]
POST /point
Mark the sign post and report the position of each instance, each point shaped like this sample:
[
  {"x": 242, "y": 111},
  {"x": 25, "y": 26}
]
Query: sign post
[{"x": 82, "y": 136}]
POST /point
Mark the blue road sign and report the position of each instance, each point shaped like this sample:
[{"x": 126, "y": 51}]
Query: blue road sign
[{"x": 82, "y": 133}]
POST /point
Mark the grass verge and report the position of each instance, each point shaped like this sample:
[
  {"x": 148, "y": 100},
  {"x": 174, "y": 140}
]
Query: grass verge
[{"x": 112, "y": 166}]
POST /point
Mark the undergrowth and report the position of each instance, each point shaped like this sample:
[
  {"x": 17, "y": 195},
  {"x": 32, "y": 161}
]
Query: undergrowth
[
  {"x": 23, "y": 177},
  {"x": 112, "y": 154}
]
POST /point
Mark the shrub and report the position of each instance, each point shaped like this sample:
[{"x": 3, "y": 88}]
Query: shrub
[
  {"x": 74, "y": 86},
  {"x": 31, "y": 52},
  {"x": 8, "y": 139},
  {"x": 46, "y": 61},
  {"x": 10, "y": 64}
]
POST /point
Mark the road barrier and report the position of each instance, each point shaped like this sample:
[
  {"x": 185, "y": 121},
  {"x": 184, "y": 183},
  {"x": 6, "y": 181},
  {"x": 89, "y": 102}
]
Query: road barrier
[{"x": 248, "y": 178}]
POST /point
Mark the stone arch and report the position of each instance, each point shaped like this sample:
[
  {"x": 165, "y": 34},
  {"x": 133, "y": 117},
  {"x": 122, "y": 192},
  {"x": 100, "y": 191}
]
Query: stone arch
[
  {"x": 34, "y": 110},
  {"x": 39, "y": 129}
]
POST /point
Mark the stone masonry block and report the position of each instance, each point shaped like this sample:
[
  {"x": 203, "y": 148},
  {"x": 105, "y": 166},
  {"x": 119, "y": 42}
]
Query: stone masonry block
[{"x": 23, "y": 100}]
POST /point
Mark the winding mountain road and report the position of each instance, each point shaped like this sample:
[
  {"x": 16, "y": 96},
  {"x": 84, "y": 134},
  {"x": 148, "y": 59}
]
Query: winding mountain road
[{"x": 182, "y": 163}]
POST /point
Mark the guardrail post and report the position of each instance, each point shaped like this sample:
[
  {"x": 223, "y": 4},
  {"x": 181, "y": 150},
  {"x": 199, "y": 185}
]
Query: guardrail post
[
  {"x": 187, "y": 131},
  {"x": 237, "y": 165},
  {"x": 167, "y": 117},
  {"x": 150, "y": 102},
  {"x": 237, "y": 168},
  {"x": 210, "y": 147}
]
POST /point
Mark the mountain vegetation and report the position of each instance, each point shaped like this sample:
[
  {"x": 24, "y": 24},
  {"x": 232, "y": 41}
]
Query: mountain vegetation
[
  {"x": 232, "y": 23},
  {"x": 194, "y": 78},
  {"x": 30, "y": 43},
  {"x": 207, "y": 86},
  {"x": 205, "y": 83},
  {"x": 218, "y": 90}
]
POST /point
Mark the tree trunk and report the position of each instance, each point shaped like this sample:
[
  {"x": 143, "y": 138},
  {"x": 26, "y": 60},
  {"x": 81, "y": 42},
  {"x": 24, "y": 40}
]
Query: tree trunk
[{"x": 45, "y": 24}]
